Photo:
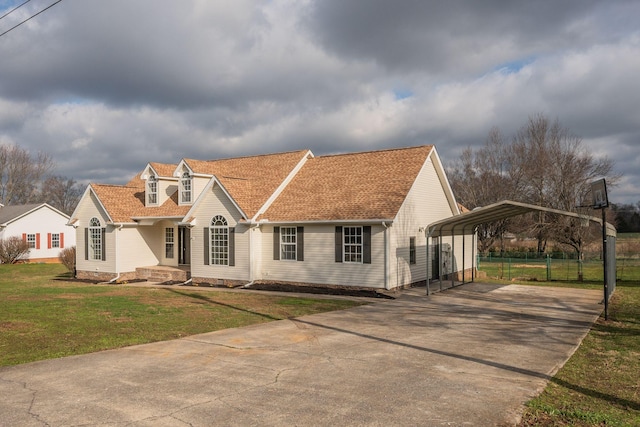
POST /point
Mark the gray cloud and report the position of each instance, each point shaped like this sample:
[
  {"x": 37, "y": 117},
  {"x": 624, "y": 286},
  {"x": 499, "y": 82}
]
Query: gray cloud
[{"x": 106, "y": 87}]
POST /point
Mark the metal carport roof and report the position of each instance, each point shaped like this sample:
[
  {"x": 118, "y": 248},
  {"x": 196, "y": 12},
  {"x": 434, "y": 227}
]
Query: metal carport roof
[{"x": 466, "y": 222}]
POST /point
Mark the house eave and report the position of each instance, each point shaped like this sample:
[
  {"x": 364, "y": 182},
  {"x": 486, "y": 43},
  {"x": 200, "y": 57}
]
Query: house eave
[
  {"x": 151, "y": 220},
  {"x": 386, "y": 221}
]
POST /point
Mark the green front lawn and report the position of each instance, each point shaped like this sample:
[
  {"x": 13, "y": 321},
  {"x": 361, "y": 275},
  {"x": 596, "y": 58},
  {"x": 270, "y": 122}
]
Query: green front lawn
[{"x": 43, "y": 316}]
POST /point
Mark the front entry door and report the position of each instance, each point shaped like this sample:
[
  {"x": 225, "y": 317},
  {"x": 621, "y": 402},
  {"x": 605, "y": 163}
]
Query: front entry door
[{"x": 184, "y": 243}]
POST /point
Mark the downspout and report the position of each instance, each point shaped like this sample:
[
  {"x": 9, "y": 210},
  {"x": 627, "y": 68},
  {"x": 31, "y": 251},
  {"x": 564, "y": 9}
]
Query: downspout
[
  {"x": 386, "y": 255},
  {"x": 252, "y": 280},
  {"x": 115, "y": 279}
]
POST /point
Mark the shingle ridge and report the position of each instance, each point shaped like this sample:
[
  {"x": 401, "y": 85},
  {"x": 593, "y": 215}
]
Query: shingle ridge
[
  {"x": 375, "y": 151},
  {"x": 112, "y": 185},
  {"x": 253, "y": 156}
]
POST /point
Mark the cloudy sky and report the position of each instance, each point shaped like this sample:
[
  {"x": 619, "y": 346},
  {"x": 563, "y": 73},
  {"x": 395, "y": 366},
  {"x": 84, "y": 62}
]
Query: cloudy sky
[{"x": 107, "y": 86}]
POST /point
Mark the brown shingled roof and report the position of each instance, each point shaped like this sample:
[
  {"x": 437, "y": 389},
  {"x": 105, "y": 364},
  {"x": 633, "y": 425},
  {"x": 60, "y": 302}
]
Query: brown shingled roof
[
  {"x": 250, "y": 180},
  {"x": 370, "y": 185},
  {"x": 123, "y": 203},
  {"x": 164, "y": 169}
]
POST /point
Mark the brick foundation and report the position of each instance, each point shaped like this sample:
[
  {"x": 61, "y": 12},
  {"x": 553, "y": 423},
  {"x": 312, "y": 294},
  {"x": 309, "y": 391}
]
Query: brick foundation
[{"x": 225, "y": 283}]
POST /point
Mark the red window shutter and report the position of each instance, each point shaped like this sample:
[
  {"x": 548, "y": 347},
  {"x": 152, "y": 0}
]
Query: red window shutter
[
  {"x": 61, "y": 240},
  {"x": 48, "y": 240},
  {"x": 24, "y": 237},
  {"x": 37, "y": 240}
]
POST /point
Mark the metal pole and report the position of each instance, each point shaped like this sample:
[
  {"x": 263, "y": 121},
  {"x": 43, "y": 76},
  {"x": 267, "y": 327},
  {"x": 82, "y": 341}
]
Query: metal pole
[
  {"x": 474, "y": 256},
  {"x": 453, "y": 263},
  {"x": 427, "y": 234},
  {"x": 604, "y": 264},
  {"x": 440, "y": 267},
  {"x": 463, "y": 254}
]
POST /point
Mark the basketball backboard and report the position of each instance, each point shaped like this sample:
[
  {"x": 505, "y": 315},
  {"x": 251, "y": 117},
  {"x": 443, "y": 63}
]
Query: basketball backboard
[{"x": 599, "y": 194}]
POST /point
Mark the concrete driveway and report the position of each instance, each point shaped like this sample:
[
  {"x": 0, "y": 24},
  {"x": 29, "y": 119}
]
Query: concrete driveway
[{"x": 467, "y": 356}]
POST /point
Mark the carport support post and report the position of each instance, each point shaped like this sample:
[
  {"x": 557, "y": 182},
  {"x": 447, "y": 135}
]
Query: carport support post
[
  {"x": 604, "y": 263},
  {"x": 428, "y": 236},
  {"x": 441, "y": 270},
  {"x": 463, "y": 253},
  {"x": 474, "y": 256},
  {"x": 453, "y": 251}
]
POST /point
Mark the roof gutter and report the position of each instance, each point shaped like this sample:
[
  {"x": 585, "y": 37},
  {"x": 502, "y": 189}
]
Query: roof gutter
[
  {"x": 155, "y": 218},
  {"x": 322, "y": 221}
]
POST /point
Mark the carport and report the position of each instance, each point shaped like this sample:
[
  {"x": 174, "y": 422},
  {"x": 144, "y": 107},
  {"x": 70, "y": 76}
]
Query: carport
[{"x": 465, "y": 225}]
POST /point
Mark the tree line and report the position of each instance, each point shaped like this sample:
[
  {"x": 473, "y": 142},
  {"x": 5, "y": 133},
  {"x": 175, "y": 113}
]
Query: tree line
[
  {"x": 29, "y": 178},
  {"x": 542, "y": 164},
  {"x": 627, "y": 217}
]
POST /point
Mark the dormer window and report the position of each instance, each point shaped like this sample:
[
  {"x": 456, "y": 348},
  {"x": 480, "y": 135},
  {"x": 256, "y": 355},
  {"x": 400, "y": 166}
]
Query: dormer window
[
  {"x": 152, "y": 190},
  {"x": 185, "y": 188}
]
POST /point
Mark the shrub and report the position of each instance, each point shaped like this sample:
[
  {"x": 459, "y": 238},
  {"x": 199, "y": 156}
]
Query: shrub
[
  {"x": 68, "y": 258},
  {"x": 12, "y": 249}
]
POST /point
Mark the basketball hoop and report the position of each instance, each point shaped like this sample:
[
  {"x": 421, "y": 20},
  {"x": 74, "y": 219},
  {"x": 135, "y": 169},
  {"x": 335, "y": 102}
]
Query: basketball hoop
[{"x": 599, "y": 194}]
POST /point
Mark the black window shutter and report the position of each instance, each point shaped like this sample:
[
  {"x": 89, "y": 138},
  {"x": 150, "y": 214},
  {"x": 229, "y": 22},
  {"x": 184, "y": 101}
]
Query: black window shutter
[
  {"x": 86, "y": 243},
  {"x": 366, "y": 244},
  {"x": 232, "y": 246},
  {"x": 276, "y": 243},
  {"x": 300, "y": 243},
  {"x": 104, "y": 244},
  {"x": 206, "y": 244},
  {"x": 338, "y": 243}
]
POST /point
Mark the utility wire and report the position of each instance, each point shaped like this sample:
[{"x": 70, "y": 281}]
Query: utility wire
[
  {"x": 14, "y": 9},
  {"x": 29, "y": 18}
]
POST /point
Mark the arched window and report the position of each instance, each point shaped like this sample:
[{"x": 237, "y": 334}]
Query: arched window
[
  {"x": 152, "y": 190},
  {"x": 95, "y": 235},
  {"x": 219, "y": 241},
  {"x": 185, "y": 188}
]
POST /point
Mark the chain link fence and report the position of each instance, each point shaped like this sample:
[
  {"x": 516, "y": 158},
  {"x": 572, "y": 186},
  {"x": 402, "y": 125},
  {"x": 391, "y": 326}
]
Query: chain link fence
[{"x": 556, "y": 266}]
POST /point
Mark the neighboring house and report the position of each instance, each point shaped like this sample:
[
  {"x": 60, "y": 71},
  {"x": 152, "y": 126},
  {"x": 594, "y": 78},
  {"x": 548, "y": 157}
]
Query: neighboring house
[
  {"x": 42, "y": 226},
  {"x": 349, "y": 220}
]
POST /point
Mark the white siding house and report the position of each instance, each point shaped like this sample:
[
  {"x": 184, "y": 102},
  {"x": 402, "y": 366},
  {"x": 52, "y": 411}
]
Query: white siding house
[
  {"x": 355, "y": 219},
  {"x": 41, "y": 226}
]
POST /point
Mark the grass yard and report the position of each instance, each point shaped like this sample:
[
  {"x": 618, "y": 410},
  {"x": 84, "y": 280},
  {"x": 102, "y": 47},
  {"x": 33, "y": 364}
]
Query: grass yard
[
  {"x": 600, "y": 384},
  {"x": 558, "y": 269},
  {"x": 42, "y": 316}
]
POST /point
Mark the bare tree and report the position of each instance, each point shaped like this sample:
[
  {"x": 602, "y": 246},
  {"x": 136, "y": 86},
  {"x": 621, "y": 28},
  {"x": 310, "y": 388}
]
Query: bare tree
[
  {"x": 21, "y": 174},
  {"x": 560, "y": 170},
  {"x": 61, "y": 192},
  {"x": 546, "y": 165},
  {"x": 483, "y": 177}
]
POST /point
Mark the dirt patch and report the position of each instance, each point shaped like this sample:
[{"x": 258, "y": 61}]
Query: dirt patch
[{"x": 15, "y": 326}]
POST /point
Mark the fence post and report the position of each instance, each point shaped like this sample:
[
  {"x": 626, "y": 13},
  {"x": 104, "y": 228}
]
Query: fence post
[{"x": 548, "y": 267}]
